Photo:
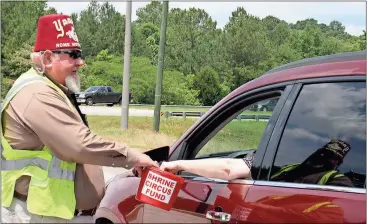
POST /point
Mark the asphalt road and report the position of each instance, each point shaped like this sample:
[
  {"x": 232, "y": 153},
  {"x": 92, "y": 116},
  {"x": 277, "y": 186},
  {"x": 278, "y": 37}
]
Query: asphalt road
[
  {"x": 111, "y": 172},
  {"x": 114, "y": 111}
]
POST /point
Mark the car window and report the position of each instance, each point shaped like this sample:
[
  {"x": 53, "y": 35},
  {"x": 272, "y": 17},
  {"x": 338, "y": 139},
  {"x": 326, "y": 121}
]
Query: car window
[
  {"x": 102, "y": 89},
  {"x": 91, "y": 89},
  {"x": 325, "y": 135},
  {"x": 241, "y": 133},
  {"x": 109, "y": 89}
]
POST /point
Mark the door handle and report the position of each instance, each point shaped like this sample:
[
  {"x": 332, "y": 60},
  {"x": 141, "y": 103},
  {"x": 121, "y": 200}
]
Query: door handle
[{"x": 218, "y": 216}]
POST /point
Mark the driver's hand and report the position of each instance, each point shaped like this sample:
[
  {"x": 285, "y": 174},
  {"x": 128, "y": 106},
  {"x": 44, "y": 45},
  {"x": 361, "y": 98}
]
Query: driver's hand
[{"x": 172, "y": 167}]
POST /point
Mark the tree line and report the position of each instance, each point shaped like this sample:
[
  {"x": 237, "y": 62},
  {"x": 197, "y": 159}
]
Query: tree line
[{"x": 203, "y": 63}]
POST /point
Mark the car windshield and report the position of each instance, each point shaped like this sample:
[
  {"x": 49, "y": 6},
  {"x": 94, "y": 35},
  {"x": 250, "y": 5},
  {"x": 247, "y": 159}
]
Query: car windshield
[{"x": 91, "y": 89}]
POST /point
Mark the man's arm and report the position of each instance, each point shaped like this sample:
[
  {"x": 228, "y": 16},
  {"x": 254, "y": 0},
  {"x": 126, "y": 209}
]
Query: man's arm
[{"x": 63, "y": 131}]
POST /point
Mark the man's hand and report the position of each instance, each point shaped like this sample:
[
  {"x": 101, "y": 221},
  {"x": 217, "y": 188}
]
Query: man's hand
[{"x": 144, "y": 161}]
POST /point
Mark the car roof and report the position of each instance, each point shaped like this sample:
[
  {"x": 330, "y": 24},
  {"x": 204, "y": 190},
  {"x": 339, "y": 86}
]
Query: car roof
[
  {"x": 342, "y": 64},
  {"x": 348, "y": 56}
]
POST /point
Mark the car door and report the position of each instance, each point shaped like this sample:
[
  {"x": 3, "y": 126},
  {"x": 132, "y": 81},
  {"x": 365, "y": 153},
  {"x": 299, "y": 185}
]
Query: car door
[
  {"x": 319, "y": 111},
  {"x": 232, "y": 132},
  {"x": 100, "y": 96},
  {"x": 110, "y": 96}
]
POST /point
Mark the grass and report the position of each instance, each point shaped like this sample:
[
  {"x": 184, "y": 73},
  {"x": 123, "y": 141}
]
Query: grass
[
  {"x": 140, "y": 133},
  {"x": 189, "y": 109},
  {"x": 234, "y": 136}
]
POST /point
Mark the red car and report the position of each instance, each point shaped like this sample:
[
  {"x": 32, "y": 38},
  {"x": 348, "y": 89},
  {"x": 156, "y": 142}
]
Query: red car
[{"x": 317, "y": 100}]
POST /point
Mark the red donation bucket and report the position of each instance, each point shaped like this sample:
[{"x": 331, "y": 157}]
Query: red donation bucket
[{"x": 159, "y": 188}]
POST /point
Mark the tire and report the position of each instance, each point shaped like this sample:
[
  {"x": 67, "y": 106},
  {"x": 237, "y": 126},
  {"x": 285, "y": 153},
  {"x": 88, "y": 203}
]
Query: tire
[
  {"x": 103, "y": 221},
  {"x": 89, "y": 102},
  {"x": 110, "y": 105}
]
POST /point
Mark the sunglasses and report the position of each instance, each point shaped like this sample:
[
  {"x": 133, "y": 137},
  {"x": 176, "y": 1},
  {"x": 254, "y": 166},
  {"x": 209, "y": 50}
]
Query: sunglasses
[{"x": 74, "y": 54}]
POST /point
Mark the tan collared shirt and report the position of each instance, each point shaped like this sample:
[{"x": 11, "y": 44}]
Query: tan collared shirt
[{"x": 38, "y": 116}]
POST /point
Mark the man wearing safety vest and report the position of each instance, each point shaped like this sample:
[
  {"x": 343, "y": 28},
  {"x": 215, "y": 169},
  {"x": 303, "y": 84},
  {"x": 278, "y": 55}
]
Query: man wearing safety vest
[{"x": 50, "y": 160}]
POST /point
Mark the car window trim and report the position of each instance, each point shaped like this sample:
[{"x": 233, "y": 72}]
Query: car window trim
[
  {"x": 268, "y": 132},
  {"x": 181, "y": 150},
  {"x": 218, "y": 181},
  {"x": 310, "y": 186},
  {"x": 271, "y": 149},
  {"x": 222, "y": 123},
  {"x": 279, "y": 184},
  {"x": 351, "y": 78}
]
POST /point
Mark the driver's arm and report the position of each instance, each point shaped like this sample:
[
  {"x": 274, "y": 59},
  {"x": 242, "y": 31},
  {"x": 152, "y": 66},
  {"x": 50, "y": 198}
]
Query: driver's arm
[{"x": 220, "y": 168}]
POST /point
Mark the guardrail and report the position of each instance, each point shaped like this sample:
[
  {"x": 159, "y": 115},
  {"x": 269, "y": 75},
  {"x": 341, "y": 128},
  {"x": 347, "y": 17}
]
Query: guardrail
[
  {"x": 185, "y": 114},
  {"x": 182, "y": 106}
]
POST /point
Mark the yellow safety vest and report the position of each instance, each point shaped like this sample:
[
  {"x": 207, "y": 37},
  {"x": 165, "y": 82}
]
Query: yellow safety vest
[
  {"x": 324, "y": 179},
  {"x": 51, "y": 188}
]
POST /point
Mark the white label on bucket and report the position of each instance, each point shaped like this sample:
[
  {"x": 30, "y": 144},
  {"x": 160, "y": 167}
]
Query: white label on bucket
[{"x": 158, "y": 187}]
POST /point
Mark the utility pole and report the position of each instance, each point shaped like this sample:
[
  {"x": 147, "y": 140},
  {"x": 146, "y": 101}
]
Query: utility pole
[
  {"x": 158, "y": 88},
  {"x": 126, "y": 80}
]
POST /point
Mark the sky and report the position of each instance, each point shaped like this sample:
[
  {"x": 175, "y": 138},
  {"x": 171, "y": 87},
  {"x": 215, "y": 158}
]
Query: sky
[{"x": 351, "y": 14}]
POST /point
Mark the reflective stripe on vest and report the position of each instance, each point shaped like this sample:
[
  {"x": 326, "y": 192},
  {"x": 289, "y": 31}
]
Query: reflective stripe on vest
[
  {"x": 339, "y": 175},
  {"x": 54, "y": 171},
  {"x": 285, "y": 169},
  {"x": 325, "y": 178},
  {"x": 22, "y": 82},
  {"x": 21, "y": 163}
]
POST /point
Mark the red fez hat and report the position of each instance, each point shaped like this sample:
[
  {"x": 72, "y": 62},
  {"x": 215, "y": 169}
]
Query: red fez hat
[{"x": 56, "y": 32}]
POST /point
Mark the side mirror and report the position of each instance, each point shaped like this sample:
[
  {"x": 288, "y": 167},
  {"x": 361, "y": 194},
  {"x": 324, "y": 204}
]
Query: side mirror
[
  {"x": 158, "y": 154},
  {"x": 198, "y": 191}
]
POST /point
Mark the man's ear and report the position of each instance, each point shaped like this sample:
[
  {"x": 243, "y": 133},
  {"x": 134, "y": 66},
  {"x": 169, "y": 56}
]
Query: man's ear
[{"x": 47, "y": 59}]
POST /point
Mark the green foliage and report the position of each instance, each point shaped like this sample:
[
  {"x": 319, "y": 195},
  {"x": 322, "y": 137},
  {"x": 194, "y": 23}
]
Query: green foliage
[
  {"x": 108, "y": 70},
  {"x": 191, "y": 40},
  {"x": 6, "y": 84},
  {"x": 149, "y": 29},
  {"x": 18, "y": 23},
  {"x": 104, "y": 56},
  {"x": 18, "y": 62},
  {"x": 100, "y": 27},
  {"x": 246, "y": 38},
  {"x": 14, "y": 65},
  {"x": 202, "y": 62},
  {"x": 103, "y": 70},
  {"x": 176, "y": 86},
  {"x": 139, "y": 45},
  {"x": 208, "y": 84},
  {"x": 243, "y": 75},
  {"x": 151, "y": 13}
]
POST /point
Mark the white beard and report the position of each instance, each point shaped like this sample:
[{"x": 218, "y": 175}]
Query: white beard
[{"x": 73, "y": 83}]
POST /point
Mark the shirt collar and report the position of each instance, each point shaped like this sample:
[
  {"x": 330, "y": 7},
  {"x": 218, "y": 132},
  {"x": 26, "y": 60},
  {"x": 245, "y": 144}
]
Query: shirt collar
[{"x": 62, "y": 87}]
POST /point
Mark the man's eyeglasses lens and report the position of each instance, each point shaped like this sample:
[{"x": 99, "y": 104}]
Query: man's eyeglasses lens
[{"x": 75, "y": 54}]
